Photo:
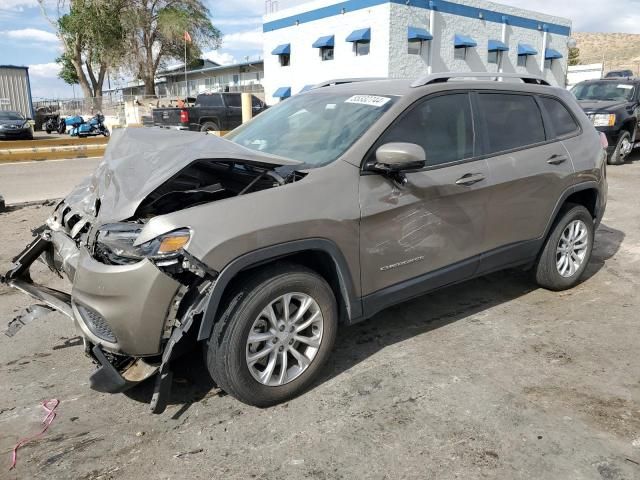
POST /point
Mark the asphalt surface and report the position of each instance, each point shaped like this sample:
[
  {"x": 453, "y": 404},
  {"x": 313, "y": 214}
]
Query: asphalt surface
[
  {"x": 42, "y": 180},
  {"x": 493, "y": 378}
]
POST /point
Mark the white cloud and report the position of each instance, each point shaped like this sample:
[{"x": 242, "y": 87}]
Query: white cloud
[
  {"x": 223, "y": 58},
  {"x": 247, "y": 40},
  {"x": 44, "y": 70},
  {"x": 589, "y": 15},
  {"x": 239, "y": 21},
  {"x": 18, "y": 4},
  {"x": 30, "y": 34}
]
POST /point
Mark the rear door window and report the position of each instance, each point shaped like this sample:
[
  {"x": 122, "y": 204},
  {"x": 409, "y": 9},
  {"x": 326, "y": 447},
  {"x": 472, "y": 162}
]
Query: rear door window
[
  {"x": 442, "y": 125},
  {"x": 511, "y": 121},
  {"x": 562, "y": 122}
]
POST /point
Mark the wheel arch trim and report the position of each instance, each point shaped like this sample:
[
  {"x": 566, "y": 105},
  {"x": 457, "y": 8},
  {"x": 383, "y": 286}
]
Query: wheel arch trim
[
  {"x": 264, "y": 255},
  {"x": 580, "y": 187}
]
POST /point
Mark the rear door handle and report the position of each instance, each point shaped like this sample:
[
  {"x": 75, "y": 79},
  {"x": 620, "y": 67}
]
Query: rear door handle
[
  {"x": 470, "y": 179},
  {"x": 557, "y": 159}
]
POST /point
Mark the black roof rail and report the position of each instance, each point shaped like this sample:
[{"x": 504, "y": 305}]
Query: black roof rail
[
  {"x": 340, "y": 81},
  {"x": 446, "y": 76}
]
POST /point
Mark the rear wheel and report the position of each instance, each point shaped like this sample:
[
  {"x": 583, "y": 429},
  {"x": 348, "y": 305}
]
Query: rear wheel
[
  {"x": 209, "y": 127},
  {"x": 623, "y": 149},
  {"x": 276, "y": 332},
  {"x": 567, "y": 250}
]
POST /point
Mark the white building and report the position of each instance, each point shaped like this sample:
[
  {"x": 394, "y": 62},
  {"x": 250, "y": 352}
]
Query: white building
[{"x": 331, "y": 39}]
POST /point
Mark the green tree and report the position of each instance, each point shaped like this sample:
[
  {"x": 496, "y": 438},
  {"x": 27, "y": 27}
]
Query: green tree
[
  {"x": 574, "y": 56},
  {"x": 93, "y": 37},
  {"x": 156, "y": 31},
  {"x": 67, "y": 70}
]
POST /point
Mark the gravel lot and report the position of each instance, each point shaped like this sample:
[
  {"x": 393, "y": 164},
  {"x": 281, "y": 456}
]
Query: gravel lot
[{"x": 492, "y": 378}]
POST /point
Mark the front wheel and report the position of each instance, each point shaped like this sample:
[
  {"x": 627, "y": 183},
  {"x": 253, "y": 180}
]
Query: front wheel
[
  {"x": 276, "y": 332},
  {"x": 623, "y": 149},
  {"x": 567, "y": 250},
  {"x": 106, "y": 132}
]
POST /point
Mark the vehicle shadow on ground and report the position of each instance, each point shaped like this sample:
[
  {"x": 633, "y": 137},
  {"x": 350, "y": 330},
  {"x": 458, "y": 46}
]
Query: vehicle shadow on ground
[{"x": 417, "y": 317}]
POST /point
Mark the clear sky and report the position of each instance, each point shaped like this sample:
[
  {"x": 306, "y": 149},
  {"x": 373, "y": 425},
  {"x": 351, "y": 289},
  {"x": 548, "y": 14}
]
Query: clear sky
[{"x": 26, "y": 37}]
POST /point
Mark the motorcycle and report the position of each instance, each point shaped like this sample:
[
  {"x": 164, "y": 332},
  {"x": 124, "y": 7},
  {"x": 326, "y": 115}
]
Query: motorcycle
[
  {"x": 52, "y": 124},
  {"x": 93, "y": 127}
]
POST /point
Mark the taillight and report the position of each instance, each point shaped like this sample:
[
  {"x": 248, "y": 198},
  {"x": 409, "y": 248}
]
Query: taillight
[
  {"x": 603, "y": 140},
  {"x": 184, "y": 116}
]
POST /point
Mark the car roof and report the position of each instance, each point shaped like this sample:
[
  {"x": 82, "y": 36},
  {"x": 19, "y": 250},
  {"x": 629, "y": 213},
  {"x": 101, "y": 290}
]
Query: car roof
[{"x": 624, "y": 80}]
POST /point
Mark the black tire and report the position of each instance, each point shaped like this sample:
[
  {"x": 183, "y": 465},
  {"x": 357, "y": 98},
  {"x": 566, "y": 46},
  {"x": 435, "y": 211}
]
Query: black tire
[
  {"x": 48, "y": 131},
  {"x": 106, "y": 132},
  {"x": 209, "y": 127},
  {"x": 225, "y": 351},
  {"x": 618, "y": 157},
  {"x": 546, "y": 269}
]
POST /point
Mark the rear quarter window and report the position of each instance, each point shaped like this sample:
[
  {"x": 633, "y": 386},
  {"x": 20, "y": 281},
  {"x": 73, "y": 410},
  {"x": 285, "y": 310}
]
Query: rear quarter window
[
  {"x": 512, "y": 121},
  {"x": 209, "y": 100},
  {"x": 562, "y": 122},
  {"x": 233, "y": 100}
]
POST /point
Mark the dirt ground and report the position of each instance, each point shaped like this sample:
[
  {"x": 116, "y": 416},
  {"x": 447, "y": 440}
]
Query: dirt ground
[{"x": 493, "y": 378}]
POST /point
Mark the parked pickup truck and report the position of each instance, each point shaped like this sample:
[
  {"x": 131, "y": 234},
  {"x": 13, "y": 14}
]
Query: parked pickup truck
[{"x": 211, "y": 112}]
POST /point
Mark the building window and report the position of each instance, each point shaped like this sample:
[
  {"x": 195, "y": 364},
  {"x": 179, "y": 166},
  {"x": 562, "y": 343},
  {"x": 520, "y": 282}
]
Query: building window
[
  {"x": 460, "y": 53},
  {"x": 285, "y": 60},
  {"x": 547, "y": 63},
  {"x": 415, "y": 47},
  {"x": 326, "y": 53},
  {"x": 361, "y": 48},
  {"x": 522, "y": 60},
  {"x": 494, "y": 57}
]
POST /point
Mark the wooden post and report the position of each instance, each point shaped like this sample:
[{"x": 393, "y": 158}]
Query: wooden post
[{"x": 247, "y": 108}]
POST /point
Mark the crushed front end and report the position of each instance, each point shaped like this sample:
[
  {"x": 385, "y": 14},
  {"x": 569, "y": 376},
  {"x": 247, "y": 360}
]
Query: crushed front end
[
  {"x": 131, "y": 311},
  {"x": 135, "y": 298}
]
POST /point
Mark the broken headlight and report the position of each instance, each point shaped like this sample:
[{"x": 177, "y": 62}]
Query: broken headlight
[{"x": 115, "y": 244}]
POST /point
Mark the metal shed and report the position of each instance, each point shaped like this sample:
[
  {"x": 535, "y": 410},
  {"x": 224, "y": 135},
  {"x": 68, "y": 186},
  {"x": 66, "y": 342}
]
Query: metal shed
[{"x": 15, "y": 89}]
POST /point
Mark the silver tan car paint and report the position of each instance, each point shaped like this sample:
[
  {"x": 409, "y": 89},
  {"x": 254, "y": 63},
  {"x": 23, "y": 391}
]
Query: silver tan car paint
[
  {"x": 431, "y": 221},
  {"x": 134, "y": 299}
]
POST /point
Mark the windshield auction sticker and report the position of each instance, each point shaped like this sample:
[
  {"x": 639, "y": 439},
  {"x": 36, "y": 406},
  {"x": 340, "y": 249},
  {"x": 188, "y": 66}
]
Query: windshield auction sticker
[
  {"x": 626, "y": 87},
  {"x": 371, "y": 100}
]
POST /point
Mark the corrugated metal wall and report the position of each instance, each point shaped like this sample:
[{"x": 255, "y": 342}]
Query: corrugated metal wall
[{"x": 15, "y": 91}]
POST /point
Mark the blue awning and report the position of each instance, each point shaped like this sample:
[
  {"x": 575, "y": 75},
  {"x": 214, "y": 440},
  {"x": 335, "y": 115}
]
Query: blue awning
[
  {"x": 284, "y": 49},
  {"x": 551, "y": 54},
  {"x": 418, "y": 34},
  {"x": 462, "y": 41},
  {"x": 362, "y": 35},
  {"x": 282, "y": 92},
  {"x": 323, "y": 42},
  {"x": 525, "y": 49},
  {"x": 497, "y": 46},
  {"x": 306, "y": 88}
]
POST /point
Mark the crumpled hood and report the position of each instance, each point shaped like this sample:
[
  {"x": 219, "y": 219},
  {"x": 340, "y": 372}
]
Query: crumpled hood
[
  {"x": 138, "y": 160},
  {"x": 604, "y": 106}
]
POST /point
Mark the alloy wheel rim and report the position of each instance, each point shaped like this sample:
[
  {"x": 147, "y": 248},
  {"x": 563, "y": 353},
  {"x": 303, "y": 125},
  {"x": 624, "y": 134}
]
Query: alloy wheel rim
[
  {"x": 284, "y": 339},
  {"x": 572, "y": 248}
]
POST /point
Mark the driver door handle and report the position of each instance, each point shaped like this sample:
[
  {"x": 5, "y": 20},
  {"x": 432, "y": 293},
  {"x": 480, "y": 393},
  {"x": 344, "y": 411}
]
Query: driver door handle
[
  {"x": 470, "y": 179},
  {"x": 557, "y": 159}
]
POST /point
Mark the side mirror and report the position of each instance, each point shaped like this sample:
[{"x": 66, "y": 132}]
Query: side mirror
[{"x": 397, "y": 157}]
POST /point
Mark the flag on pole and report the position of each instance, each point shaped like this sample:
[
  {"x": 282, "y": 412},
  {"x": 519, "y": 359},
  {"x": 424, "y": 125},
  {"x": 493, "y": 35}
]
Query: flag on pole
[{"x": 187, "y": 37}]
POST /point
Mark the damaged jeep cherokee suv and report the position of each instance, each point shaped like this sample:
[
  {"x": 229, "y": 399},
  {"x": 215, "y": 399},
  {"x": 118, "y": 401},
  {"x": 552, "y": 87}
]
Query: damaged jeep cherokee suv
[{"x": 326, "y": 208}]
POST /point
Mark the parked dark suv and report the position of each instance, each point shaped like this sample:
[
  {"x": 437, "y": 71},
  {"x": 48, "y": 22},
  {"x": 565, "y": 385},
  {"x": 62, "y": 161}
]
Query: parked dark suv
[
  {"x": 613, "y": 105},
  {"x": 327, "y": 208}
]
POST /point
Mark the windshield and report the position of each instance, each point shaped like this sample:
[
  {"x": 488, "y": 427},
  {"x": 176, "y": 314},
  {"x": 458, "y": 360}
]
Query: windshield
[
  {"x": 10, "y": 116},
  {"x": 604, "y": 91},
  {"x": 314, "y": 128}
]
